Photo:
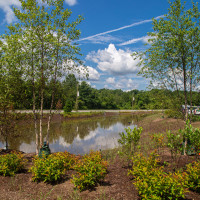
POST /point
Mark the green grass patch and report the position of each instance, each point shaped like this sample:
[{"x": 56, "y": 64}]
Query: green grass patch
[{"x": 82, "y": 114}]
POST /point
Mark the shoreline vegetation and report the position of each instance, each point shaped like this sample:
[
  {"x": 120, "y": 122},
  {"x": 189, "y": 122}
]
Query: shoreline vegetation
[{"x": 118, "y": 182}]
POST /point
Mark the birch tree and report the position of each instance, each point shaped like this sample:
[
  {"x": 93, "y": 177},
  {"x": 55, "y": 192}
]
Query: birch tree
[
  {"x": 172, "y": 59},
  {"x": 48, "y": 49}
]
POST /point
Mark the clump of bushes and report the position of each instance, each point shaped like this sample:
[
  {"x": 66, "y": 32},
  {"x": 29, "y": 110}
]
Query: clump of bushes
[
  {"x": 91, "y": 169},
  {"x": 153, "y": 183},
  {"x": 174, "y": 114},
  {"x": 12, "y": 163},
  {"x": 193, "y": 171},
  {"x": 129, "y": 141},
  {"x": 53, "y": 167},
  {"x": 68, "y": 106}
]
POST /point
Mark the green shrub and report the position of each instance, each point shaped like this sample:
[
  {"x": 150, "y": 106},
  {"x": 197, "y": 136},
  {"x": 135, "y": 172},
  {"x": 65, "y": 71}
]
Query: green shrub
[
  {"x": 12, "y": 163},
  {"x": 53, "y": 167},
  {"x": 174, "y": 142},
  {"x": 90, "y": 170},
  {"x": 160, "y": 185},
  {"x": 193, "y": 171},
  {"x": 68, "y": 106},
  {"x": 130, "y": 140},
  {"x": 174, "y": 114},
  {"x": 158, "y": 140},
  {"x": 195, "y": 118},
  {"x": 153, "y": 183},
  {"x": 142, "y": 165}
]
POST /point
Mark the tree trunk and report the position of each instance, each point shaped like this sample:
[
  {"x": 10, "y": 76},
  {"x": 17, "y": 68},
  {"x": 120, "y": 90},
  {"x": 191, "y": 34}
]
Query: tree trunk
[
  {"x": 42, "y": 93},
  {"x": 34, "y": 113},
  {"x": 185, "y": 95},
  {"x": 52, "y": 98}
]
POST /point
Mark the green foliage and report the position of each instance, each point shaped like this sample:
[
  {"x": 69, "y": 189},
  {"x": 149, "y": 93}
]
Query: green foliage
[
  {"x": 153, "y": 183},
  {"x": 143, "y": 165},
  {"x": 191, "y": 135},
  {"x": 130, "y": 140},
  {"x": 68, "y": 106},
  {"x": 193, "y": 171},
  {"x": 158, "y": 139},
  {"x": 90, "y": 170},
  {"x": 195, "y": 118},
  {"x": 53, "y": 167},
  {"x": 173, "y": 50},
  {"x": 83, "y": 114},
  {"x": 171, "y": 113},
  {"x": 12, "y": 163},
  {"x": 174, "y": 142}
]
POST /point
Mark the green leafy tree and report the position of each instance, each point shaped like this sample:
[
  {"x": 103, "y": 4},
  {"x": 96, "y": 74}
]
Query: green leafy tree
[
  {"x": 44, "y": 37},
  {"x": 171, "y": 60}
]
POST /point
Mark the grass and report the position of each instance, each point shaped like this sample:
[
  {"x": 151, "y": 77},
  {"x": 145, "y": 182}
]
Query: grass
[{"x": 82, "y": 114}]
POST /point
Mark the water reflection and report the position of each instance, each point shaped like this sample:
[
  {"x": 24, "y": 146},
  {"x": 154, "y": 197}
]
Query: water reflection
[{"x": 76, "y": 136}]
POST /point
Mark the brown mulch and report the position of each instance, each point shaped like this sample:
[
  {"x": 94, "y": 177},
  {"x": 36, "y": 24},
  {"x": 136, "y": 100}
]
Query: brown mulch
[{"x": 117, "y": 185}]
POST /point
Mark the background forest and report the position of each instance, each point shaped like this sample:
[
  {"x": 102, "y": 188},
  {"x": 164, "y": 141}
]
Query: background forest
[{"x": 91, "y": 98}]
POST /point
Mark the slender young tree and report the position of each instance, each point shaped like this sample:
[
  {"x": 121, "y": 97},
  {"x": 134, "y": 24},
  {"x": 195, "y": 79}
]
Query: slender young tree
[
  {"x": 47, "y": 48},
  {"x": 171, "y": 61}
]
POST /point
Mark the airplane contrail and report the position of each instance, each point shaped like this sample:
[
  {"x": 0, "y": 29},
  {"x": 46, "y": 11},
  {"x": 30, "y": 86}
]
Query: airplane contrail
[{"x": 121, "y": 28}]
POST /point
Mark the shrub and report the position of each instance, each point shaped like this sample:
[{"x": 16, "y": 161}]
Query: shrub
[
  {"x": 130, "y": 140},
  {"x": 90, "y": 170},
  {"x": 174, "y": 114},
  {"x": 153, "y": 183},
  {"x": 160, "y": 185},
  {"x": 12, "y": 163},
  {"x": 68, "y": 106},
  {"x": 193, "y": 171},
  {"x": 158, "y": 139},
  {"x": 142, "y": 165},
  {"x": 53, "y": 167},
  {"x": 174, "y": 143}
]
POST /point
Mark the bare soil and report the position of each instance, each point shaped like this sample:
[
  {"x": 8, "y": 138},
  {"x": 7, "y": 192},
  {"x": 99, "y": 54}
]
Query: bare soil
[{"x": 117, "y": 185}]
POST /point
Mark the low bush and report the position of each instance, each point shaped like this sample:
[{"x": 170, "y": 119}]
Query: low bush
[
  {"x": 153, "y": 183},
  {"x": 174, "y": 143},
  {"x": 142, "y": 165},
  {"x": 174, "y": 114},
  {"x": 193, "y": 171},
  {"x": 12, "y": 163},
  {"x": 129, "y": 141},
  {"x": 90, "y": 170},
  {"x": 53, "y": 167},
  {"x": 158, "y": 140},
  {"x": 68, "y": 106}
]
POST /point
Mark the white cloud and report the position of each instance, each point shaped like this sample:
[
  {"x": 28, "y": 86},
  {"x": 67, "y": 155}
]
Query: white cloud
[
  {"x": 122, "y": 83},
  {"x": 93, "y": 73},
  {"x": 5, "y": 5},
  {"x": 118, "y": 62},
  {"x": 71, "y": 2},
  {"x": 110, "y": 80}
]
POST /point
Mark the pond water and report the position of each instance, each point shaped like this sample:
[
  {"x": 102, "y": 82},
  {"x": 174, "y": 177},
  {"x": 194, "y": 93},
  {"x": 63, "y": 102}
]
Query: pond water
[{"x": 76, "y": 136}]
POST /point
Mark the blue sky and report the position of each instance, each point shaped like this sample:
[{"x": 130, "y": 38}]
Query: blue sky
[{"x": 110, "y": 32}]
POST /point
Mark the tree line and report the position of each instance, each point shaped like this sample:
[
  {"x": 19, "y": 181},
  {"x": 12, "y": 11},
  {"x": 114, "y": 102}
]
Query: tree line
[{"x": 91, "y": 98}]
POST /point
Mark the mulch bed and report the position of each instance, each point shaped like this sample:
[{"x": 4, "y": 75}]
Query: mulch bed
[{"x": 117, "y": 185}]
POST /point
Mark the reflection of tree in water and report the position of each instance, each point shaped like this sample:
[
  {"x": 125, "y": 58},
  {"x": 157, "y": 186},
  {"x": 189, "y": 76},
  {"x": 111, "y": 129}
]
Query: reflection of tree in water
[
  {"x": 69, "y": 130},
  {"x": 125, "y": 120},
  {"x": 74, "y": 128},
  {"x": 23, "y": 134}
]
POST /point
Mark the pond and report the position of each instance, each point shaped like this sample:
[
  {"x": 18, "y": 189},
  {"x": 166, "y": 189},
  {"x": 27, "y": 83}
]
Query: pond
[{"x": 78, "y": 136}]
